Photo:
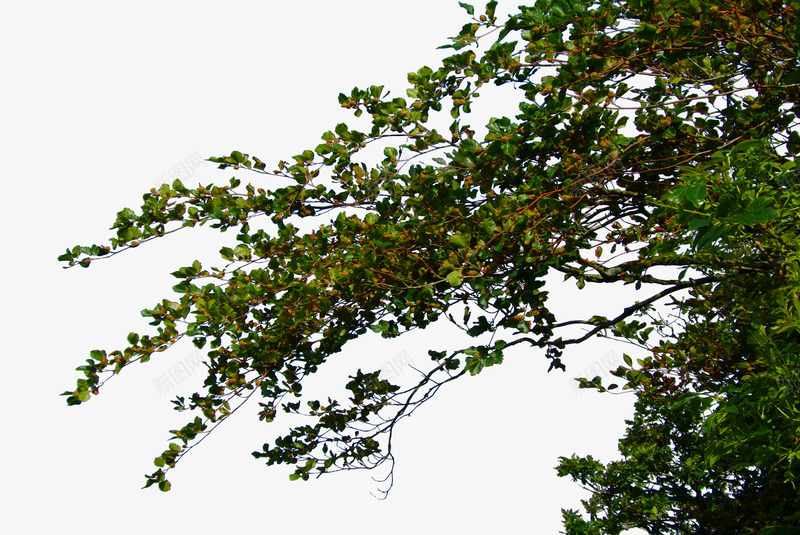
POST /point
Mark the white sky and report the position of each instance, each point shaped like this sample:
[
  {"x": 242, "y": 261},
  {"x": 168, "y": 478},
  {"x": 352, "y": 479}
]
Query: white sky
[{"x": 100, "y": 100}]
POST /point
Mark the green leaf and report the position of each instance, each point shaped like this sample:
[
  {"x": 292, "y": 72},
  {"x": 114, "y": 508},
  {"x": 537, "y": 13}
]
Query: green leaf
[
  {"x": 759, "y": 212},
  {"x": 696, "y": 193},
  {"x": 491, "y": 6},
  {"x": 455, "y": 278},
  {"x": 746, "y": 145},
  {"x": 437, "y": 355},
  {"x": 469, "y": 8},
  {"x": 698, "y": 222},
  {"x": 460, "y": 240},
  {"x": 757, "y": 217},
  {"x": 792, "y": 78},
  {"x": 242, "y": 251}
]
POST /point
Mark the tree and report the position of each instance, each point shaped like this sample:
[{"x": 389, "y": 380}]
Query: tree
[{"x": 654, "y": 145}]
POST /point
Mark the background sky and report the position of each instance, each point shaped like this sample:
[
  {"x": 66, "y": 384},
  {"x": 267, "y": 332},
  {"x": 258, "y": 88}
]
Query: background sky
[{"x": 100, "y": 102}]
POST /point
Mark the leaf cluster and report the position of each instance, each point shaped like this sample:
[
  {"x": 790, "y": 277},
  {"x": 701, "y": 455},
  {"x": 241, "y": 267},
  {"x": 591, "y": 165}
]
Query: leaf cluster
[{"x": 654, "y": 146}]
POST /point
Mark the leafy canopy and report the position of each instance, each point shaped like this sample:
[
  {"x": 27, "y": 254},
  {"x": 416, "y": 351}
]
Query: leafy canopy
[{"x": 654, "y": 146}]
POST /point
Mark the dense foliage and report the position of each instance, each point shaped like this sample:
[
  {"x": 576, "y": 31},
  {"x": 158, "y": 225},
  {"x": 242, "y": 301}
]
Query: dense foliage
[{"x": 654, "y": 146}]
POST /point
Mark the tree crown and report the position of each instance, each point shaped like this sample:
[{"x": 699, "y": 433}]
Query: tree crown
[{"x": 654, "y": 146}]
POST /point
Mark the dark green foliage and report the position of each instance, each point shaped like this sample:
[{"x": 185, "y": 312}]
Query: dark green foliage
[{"x": 655, "y": 146}]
